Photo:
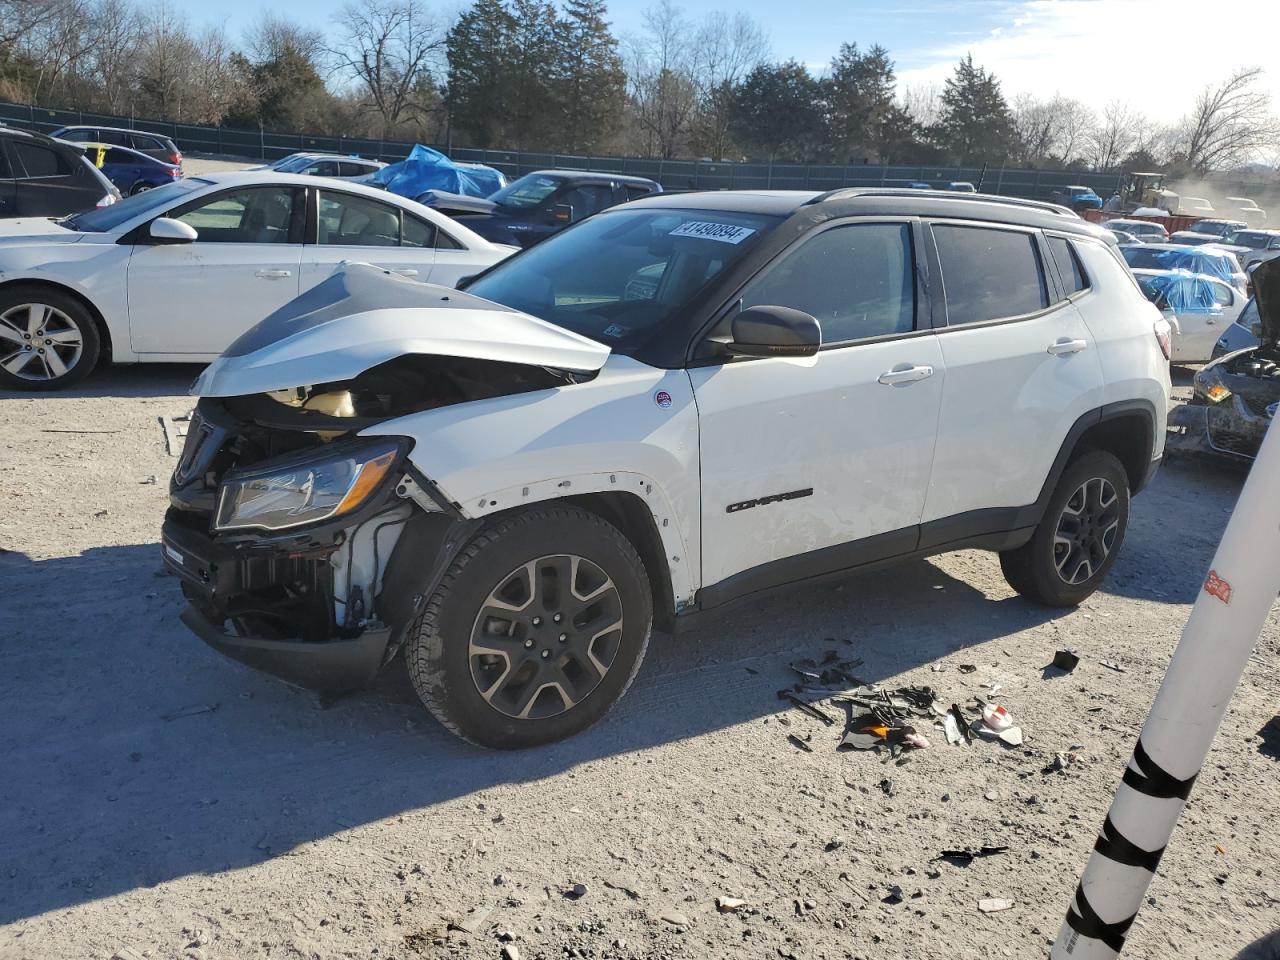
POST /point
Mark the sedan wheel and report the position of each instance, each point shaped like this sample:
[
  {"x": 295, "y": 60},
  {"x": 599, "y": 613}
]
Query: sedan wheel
[{"x": 39, "y": 342}]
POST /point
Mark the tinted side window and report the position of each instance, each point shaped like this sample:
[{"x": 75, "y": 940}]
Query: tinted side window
[
  {"x": 989, "y": 274},
  {"x": 140, "y": 142},
  {"x": 1069, "y": 268},
  {"x": 858, "y": 280},
  {"x": 40, "y": 161},
  {"x": 118, "y": 137},
  {"x": 347, "y": 220},
  {"x": 418, "y": 233},
  {"x": 350, "y": 168},
  {"x": 79, "y": 136},
  {"x": 588, "y": 199}
]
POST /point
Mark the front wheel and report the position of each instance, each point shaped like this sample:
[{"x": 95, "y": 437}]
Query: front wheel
[
  {"x": 48, "y": 340},
  {"x": 535, "y": 631},
  {"x": 1079, "y": 536}
]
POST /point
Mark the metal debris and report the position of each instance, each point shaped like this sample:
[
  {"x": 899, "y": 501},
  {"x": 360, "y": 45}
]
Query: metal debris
[
  {"x": 966, "y": 856},
  {"x": 799, "y": 743},
  {"x": 994, "y": 904},
  {"x": 729, "y": 904},
  {"x": 1065, "y": 660},
  {"x": 1113, "y": 666}
]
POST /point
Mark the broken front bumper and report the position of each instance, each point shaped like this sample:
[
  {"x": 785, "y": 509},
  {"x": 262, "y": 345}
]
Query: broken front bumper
[
  {"x": 284, "y": 582},
  {"x": 1229, "y": 428}
]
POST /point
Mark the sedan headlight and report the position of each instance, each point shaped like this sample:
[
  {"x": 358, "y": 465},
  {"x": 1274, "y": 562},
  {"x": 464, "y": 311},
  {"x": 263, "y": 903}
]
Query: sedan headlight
[{"x": 304, "y": 490}]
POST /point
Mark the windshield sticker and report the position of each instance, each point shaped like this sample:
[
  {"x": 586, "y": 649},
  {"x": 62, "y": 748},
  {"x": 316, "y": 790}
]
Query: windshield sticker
[
  {"x": 724, "y": 232},
  {"x": 615, "y": 330}
]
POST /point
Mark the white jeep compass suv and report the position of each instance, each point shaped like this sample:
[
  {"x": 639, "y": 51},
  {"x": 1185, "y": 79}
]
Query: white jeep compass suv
[{"x": 674, "y": 404}]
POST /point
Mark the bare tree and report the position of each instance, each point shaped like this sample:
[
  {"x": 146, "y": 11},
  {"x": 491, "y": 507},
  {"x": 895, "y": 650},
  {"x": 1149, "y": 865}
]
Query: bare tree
[
  {"x": 274, "y": 37},
  {"x": 117, "y": 34},
  {"x": 1076, "y": 124},
  {"x": 1117, "y": 136},
  {"x": 725, "y": 49},
  {"x": 660, "y": 79},
  {"x": 923, "y": 102},
  {"x": 1230, "y": 124},
  {"x": 1035, "y": 128},
  {"x": 387, "y": 47}
]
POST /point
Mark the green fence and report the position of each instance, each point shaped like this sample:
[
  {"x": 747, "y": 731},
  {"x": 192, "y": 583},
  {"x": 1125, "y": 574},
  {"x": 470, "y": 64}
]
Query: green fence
[{"x": 672, "y": 174}]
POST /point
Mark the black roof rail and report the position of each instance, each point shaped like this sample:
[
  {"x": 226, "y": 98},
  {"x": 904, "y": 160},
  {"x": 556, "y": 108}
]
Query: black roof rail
[{"x": 846, "y": 193}]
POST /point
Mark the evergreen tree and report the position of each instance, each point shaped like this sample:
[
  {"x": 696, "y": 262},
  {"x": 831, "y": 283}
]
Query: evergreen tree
[
  {"x": 976, "y": 125},
  {"x": 481, "y": 47},
  {"x": 779, "y": 111},
  {"x": 860, "y": 103},
  {"x": 590, "y": 82},
  {"x": 529, "y": 75}
]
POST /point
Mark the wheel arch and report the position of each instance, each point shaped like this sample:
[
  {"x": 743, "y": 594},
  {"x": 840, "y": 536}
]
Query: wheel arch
[
  {"x": 106, "y": 347},
  {"x": 1126, "y": 430}
]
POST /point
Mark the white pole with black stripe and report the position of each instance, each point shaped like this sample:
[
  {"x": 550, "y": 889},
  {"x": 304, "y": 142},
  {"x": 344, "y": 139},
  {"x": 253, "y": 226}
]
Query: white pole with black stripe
[{"x": 1206, "y": 667}]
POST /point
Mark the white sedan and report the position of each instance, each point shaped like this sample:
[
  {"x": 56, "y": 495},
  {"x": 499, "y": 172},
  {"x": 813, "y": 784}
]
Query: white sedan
[
  {"x": 1199, "y": 308},
  {"x": 177, "y": 273}
]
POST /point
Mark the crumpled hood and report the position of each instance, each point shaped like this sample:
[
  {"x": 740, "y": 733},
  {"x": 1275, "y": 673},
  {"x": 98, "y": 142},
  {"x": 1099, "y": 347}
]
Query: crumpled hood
[
  {"x": 362, "y": 315},
  {"x": 1266, "y": 288},
  {"x": 443, "y": 200}
]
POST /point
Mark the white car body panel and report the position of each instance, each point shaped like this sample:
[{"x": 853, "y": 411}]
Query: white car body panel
[
  {"x": 188, "y": 302},
  {"x": 1133, "y": 368},
  {"x": 1005, "y": 393},
  {"x": 775, "y": 426},
  {"x": 607, "y": 435}
]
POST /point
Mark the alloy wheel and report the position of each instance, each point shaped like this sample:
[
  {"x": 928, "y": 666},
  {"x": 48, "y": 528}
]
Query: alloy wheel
[
  {"x": 38, "y": 342},
  {"x": 545, "y": 636},
  {"x": 1086, "y": 530}
]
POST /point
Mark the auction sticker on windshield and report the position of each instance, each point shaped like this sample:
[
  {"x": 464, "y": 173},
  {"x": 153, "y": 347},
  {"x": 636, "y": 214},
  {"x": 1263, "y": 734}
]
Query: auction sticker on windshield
[{"x": 724, "y": 232}]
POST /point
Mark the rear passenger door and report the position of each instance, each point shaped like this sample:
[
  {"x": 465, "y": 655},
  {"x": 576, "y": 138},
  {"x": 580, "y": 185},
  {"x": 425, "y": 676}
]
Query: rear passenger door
[
  {"x": 349, "y": 227},
  {"x": 1021, "y": 365}
]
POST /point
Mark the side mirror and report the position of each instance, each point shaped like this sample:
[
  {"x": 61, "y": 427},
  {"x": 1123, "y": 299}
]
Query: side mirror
[
  {"x": 771, "y": 331},
  {"x": 165, "y": 230},
  {"x": 562, "y": 213}
]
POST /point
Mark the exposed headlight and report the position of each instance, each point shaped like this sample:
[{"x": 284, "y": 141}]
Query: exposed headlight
[
  {"x": 304, "y": 490},
  {"x": 1208, "y": 383}
]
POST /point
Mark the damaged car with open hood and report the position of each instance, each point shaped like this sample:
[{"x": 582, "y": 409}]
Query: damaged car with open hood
[
  {"x": 1235, "y": 397},
  {"x": 677, "y": 403}
]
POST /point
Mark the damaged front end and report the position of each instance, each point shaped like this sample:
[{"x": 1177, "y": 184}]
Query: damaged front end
[
  {"x": 1235, "y": 398},
  {"x": 304, "y": 548}
]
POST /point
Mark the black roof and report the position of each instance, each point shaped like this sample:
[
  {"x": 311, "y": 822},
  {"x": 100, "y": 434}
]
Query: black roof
[{"x": 871, "y": 201}]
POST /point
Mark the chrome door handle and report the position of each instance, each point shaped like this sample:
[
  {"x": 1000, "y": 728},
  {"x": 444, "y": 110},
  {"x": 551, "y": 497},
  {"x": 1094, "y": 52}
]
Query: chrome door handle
[
  {"x": 905, "y": 374},
  {"x": 1065, "y": 346},
  {"x": 273, "y": 274}
]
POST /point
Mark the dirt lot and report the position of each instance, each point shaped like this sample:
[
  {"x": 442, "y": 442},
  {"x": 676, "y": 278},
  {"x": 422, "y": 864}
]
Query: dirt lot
[{"x": 158, "y": 797}]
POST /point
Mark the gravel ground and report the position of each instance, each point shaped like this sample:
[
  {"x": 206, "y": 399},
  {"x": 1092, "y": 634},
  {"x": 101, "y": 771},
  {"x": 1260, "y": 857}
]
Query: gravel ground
[{"x": 159, "y": 797}]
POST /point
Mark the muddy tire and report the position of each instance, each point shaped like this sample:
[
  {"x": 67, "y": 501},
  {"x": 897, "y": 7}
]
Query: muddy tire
[
  {"x": 48, "y": 340},
  {"x": 535, "y": 631},
  {"x": 1079, "y": 536}
]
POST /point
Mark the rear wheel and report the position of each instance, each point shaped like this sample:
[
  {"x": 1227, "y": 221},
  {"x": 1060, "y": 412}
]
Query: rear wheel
[
  {"x": 48, "y": 340},
  {"x": 140, "y": 188},
  {"x": 536, "y": 630},
  {"x": 1079, "y": 536}
]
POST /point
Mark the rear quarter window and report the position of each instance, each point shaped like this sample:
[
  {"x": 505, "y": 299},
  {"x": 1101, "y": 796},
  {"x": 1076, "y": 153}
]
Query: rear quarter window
[
  {"x": 1070, "y": 270},
  {"x": 989, "y": 274},
  {"x": 38, "y": 160}
]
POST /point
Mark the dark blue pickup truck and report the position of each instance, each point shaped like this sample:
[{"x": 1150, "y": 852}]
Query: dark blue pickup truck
[{"x": 539, "y": 204}]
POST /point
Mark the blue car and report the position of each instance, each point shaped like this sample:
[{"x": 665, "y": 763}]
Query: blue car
[
  {"x": 1076, "y": 198},
  {"x": 131, "y": 170}
]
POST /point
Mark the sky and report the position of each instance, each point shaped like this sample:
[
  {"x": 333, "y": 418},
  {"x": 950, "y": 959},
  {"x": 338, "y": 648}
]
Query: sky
[{"x": 1154, "y": 54}]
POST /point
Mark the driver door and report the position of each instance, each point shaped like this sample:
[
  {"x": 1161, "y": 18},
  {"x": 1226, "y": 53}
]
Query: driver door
[
  {"x": 815, "y": 464},
  {"x": 196, "y": 298}
]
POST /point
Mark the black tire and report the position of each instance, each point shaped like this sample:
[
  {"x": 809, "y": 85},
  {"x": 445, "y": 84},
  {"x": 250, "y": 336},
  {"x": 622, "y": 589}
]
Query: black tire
[
  {"x": 71, "y": 319},
  {"x": 1063, "y": 574},
  {"x": 139, "y": 188},
  {"x": 448, "y": 673}
]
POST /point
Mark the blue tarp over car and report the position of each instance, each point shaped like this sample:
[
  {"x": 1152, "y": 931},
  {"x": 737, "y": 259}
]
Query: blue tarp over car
[
  {"x": 1181, "y": 291},
  {"x": 426, "y": 169},
  {"x": 1205, "y": 260}
]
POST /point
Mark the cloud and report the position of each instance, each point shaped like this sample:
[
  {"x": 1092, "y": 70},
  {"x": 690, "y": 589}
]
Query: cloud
[{"x": 1155, "y": 54}]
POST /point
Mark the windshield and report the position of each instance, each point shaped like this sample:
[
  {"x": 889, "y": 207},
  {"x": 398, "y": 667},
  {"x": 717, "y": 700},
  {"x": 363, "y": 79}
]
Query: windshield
[
  {"x": 106, "y": 219},
  {"x": 618, "y": 277},
  {"x": 529, "y": 191}
]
